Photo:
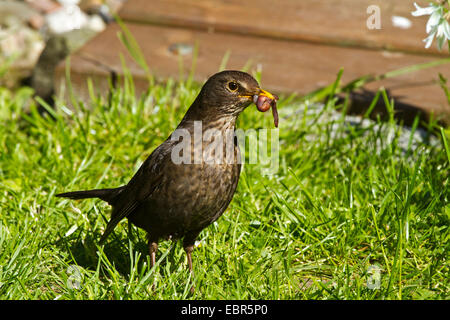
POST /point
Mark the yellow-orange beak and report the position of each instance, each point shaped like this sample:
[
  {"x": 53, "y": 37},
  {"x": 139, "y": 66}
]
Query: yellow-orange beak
[
  {"x": 268, "y": 95},
  {"x": 262, "y": 93}
]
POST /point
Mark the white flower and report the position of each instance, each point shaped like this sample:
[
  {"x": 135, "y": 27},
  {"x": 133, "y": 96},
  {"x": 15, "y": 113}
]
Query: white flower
[
  {"x": 437, "y": 26},
  {"x": 423, "y": 11},
  {"x": 443, "y": 33}
]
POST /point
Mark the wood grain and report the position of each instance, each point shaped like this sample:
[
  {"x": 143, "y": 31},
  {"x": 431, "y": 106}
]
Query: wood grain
[
  {"x": 286, "y": 66},
  {"x": 337, "y": 22}
]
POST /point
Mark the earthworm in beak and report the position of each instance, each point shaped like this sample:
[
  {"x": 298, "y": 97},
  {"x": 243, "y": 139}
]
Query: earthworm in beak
[{"x": 264, "y": 101}]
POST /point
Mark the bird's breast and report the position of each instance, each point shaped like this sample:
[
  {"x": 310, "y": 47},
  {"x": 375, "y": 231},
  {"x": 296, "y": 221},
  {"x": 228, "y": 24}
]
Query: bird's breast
[
  {"x": 195, "y": 191},
  {"x": 195, "y": 195}
]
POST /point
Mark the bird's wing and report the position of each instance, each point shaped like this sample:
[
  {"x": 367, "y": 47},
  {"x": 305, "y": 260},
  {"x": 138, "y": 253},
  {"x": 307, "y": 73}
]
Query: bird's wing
[{"x": 141, "y": 186}]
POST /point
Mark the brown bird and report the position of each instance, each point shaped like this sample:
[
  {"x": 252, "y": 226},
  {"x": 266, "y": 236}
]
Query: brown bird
[{"x": 186, "y": 185}]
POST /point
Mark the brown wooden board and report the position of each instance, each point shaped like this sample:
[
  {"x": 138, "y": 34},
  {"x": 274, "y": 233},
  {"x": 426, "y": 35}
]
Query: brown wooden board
[
  {"x": 338, "y": 22},
  {"x": 286, "y": 66}
]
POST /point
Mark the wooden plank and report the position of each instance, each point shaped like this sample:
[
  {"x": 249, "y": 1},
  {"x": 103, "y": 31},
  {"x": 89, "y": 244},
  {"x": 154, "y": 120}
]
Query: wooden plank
[
  {"x": 338, "y": 22},
  {"x": 286, "y": 66}
]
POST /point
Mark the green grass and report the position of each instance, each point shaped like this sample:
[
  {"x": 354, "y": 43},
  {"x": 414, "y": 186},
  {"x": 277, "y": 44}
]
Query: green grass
[{"x": 345, "y": 198}]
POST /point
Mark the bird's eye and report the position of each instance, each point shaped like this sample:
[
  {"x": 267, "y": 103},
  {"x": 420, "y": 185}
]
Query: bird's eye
[{"x": 232, "y": 86}]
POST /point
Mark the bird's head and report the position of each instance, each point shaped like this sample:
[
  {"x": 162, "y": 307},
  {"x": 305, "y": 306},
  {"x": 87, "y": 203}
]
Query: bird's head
[{"x": 228, "y": 93}]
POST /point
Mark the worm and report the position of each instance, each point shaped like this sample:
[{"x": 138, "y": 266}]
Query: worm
[
  {"x": 275, "y": 113},
  {"x": 264, "y": 103}
]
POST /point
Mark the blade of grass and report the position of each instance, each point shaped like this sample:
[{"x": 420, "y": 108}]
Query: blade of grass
[
  {"x": 445, "y": 143},
  {"x": 133, "y": 48}
]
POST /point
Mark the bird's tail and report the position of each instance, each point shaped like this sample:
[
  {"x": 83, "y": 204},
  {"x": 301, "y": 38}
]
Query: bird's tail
[{"x": 108, "y": 195}]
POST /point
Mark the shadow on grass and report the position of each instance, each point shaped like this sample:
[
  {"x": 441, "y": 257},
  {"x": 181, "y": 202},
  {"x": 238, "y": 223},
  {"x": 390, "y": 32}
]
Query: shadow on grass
[
  {"x": 85, "y": 252},
  {"x": 403, "y": 112}
]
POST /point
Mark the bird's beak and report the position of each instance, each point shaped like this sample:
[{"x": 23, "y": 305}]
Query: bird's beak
[
  {"x": 261, "y": 93},
  {"x": 264, "y": 93},
  {"x": 268, "y": 94}
]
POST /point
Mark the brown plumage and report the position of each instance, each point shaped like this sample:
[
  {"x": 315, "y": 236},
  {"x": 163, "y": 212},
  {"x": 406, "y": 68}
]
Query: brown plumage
[{"x": 176, "y": 200}]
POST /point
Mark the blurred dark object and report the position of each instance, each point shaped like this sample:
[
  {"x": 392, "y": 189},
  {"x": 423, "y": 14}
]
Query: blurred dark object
[
  {"x": 42, "y": 79},
  {"x": 99, "y": 8}
]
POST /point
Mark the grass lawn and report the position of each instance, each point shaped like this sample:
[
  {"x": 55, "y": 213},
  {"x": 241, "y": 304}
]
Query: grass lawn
[{"x": 350, "y": 214}]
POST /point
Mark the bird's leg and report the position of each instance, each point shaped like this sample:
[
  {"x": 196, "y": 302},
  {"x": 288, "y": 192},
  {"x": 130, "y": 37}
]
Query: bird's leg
[
  {"x": 152, "y": 247},
  {"x": 188, "y": 245},
  {"x": 189, "y": 250}
]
